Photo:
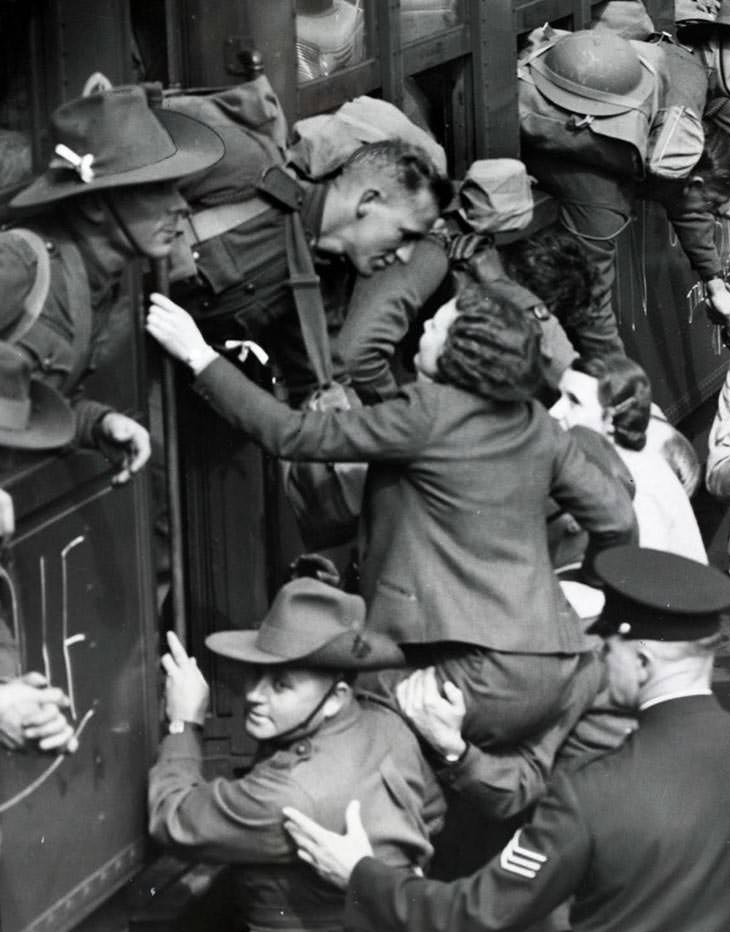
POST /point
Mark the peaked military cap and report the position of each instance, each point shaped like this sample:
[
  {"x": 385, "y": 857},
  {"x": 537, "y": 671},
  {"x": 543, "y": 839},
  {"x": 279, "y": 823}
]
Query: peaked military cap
[
  {"x": 659, "y": 596},
  {"x": 311, "y": 624}
]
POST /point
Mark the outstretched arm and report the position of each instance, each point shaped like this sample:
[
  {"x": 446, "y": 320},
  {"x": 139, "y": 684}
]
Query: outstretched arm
[
  {"x": 538, "y": 869},
  {"x": 395, "y": 430}
]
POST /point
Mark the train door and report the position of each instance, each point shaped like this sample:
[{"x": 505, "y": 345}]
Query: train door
[{"x": 76, "y": 581}]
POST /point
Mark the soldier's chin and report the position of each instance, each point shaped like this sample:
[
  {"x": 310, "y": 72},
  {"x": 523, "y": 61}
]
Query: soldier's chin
[{"x": 257, "y": 728}]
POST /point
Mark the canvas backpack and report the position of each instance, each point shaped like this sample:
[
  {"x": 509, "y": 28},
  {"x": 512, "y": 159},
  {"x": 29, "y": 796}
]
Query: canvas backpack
[{"x": 662, "y": 137}]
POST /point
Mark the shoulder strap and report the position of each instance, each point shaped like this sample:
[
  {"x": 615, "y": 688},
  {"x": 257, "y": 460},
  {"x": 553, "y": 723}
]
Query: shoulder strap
[
  {"x": 79, "y": 302},
  {"x": 38, "y": 293},
  {"x": 304, "y": 283}
]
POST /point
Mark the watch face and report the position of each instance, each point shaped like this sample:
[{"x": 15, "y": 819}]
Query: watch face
[{"x": 176, "y": 727}]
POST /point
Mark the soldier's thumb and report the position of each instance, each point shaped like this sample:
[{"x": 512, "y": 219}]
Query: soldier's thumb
[{"x": 455, "y": 696}]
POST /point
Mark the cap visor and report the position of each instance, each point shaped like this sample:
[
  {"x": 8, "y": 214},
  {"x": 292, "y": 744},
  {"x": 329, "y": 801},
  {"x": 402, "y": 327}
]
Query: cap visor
[
  {"x": 197, "y": 147},
  {"x": 51, "y": 424}
]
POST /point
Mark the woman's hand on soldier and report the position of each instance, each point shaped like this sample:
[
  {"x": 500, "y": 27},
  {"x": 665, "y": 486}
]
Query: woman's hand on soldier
[{"x": 176, "y": 331}]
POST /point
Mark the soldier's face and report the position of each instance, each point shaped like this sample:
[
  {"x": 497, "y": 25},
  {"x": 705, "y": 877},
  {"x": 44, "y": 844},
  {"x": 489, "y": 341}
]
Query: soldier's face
[
  {"x": 388, "y": 224},
  {"x": 149, "y": 216},
  {"x": 280, "y": 698}
]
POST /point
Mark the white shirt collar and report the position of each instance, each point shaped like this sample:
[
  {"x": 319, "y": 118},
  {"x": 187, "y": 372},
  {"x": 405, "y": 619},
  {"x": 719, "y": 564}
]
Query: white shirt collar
[{"x": 679, "y": 694}]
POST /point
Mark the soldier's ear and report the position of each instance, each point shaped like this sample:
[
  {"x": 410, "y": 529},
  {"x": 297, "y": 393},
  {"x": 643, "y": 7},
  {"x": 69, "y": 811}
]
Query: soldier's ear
[
  {"x": 339, "y": 697},
  {"x": 92, "y": 207},
  {"x": 369, "y": 198},
  {"x": 646, "y": 664}
]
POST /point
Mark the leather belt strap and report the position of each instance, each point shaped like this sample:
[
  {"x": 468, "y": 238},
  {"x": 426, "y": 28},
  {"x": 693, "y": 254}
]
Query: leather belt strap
[{"x": 214, "y": 221}]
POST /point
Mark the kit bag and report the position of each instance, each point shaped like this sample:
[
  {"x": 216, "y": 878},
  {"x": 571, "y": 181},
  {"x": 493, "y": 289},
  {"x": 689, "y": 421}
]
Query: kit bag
[
  {"x": 662, "y": 137},
  {"x": 676, "y": 135},
  {"x": 249, "y": 119},
  {"x": 616, "y": 143},
  {"x": 326, "y": 497}
]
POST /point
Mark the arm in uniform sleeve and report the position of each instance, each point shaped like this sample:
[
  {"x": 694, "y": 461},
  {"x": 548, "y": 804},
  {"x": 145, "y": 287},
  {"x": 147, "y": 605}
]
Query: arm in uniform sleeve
[
  {"x": 599, "y": 503},
  {"x": 381, "y": 309},
  {"x": 693, "y": 223},
  {"x": 88, "y": 414},
  {"x": 502, "y": 783},
  {"x": 718, "y": 454},
  {"x": 231, "y": 821},
  {"x": 394, "y": 430},
  {"x": 538, "y": 869}
]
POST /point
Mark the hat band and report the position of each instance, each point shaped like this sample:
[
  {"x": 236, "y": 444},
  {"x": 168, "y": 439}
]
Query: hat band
[
  {"x": 14, "y": 415},
  {"x": 579, "y": 90},
  {"x": 290, "y": 643}
]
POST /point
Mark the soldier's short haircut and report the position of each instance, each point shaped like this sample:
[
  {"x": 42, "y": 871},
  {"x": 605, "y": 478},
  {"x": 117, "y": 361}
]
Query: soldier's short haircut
[{"x": 408, "y": 164}]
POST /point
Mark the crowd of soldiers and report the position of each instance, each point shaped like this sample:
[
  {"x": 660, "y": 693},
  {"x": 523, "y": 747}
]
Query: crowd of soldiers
[{"x": 533, "y": 634}]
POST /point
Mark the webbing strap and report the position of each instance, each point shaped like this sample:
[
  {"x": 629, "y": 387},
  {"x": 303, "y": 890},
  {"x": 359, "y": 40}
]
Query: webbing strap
[
  {"x": 79, "y": 302},
  {"x": 36, "y": 297},
  {"x": 304, "y": 282}
]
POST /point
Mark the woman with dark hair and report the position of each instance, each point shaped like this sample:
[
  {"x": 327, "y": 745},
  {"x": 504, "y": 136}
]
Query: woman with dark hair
[
  {"x": 613, "y": 396},
  {"x": 455, "y": 565}
]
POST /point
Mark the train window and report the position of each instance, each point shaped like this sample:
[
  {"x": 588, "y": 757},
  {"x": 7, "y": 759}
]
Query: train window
[
  {"x": 331, "y": 35},
  {"x": 422, "y": 18},
  {"x": 16, "y": 95}
]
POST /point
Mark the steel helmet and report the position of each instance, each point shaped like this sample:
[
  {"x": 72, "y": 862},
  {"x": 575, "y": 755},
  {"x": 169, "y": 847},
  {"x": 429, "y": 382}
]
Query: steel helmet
[{"x": 593, "y": 72}]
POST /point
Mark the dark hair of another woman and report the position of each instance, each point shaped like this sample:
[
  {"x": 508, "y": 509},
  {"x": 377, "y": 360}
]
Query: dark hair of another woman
[
  {"x": 624, "y": 387},
  {"x": 554, "y": 265},
  {"x": 492, "y": 349}
]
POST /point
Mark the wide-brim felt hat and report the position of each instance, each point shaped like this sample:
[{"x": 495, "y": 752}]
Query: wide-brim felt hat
[
  {"x": 33, "y": 415},
  {"x": 311, "y": 624},
  {"x": 122, "y": 142},
  {"x": 654, "y": 595},
  {"x": 576, "y": 96}
]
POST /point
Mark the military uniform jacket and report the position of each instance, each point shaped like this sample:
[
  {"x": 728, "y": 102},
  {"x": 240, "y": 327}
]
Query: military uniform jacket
[
  {"x": 51, "y": 343},
  {"x": 640, "y": 837},
  {"x": 454, "y": 509},
  {"x": 365, "y": 753}
]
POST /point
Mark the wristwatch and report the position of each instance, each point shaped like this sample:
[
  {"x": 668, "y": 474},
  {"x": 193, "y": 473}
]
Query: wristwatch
[
  {"x": 178, "y": 726},
  {"x": 455, "y": 758}
]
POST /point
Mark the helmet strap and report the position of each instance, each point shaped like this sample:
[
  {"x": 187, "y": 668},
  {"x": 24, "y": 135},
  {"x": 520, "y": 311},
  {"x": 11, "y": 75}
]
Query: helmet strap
[{"x": 305, "y": 723}]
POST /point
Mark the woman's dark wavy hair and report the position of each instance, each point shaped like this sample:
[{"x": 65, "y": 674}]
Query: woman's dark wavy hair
[
  {"x": 492, "y": 349},
  {"x": 623, "y": 386},
  {"x": 555, "y": 266}
]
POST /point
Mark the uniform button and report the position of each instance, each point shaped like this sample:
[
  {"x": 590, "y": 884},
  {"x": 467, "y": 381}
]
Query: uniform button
[
  {"x": 302, "y": 748},
  {"x": 249, "y": 288},
  {"x": 47, "y": 362},
  {"x": 196, "y": 255},
  {"x": 205, "y": 305}
]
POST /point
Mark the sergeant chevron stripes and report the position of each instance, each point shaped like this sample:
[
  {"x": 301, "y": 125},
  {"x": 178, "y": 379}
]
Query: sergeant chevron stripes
[{"x": 519, "y": 860}]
